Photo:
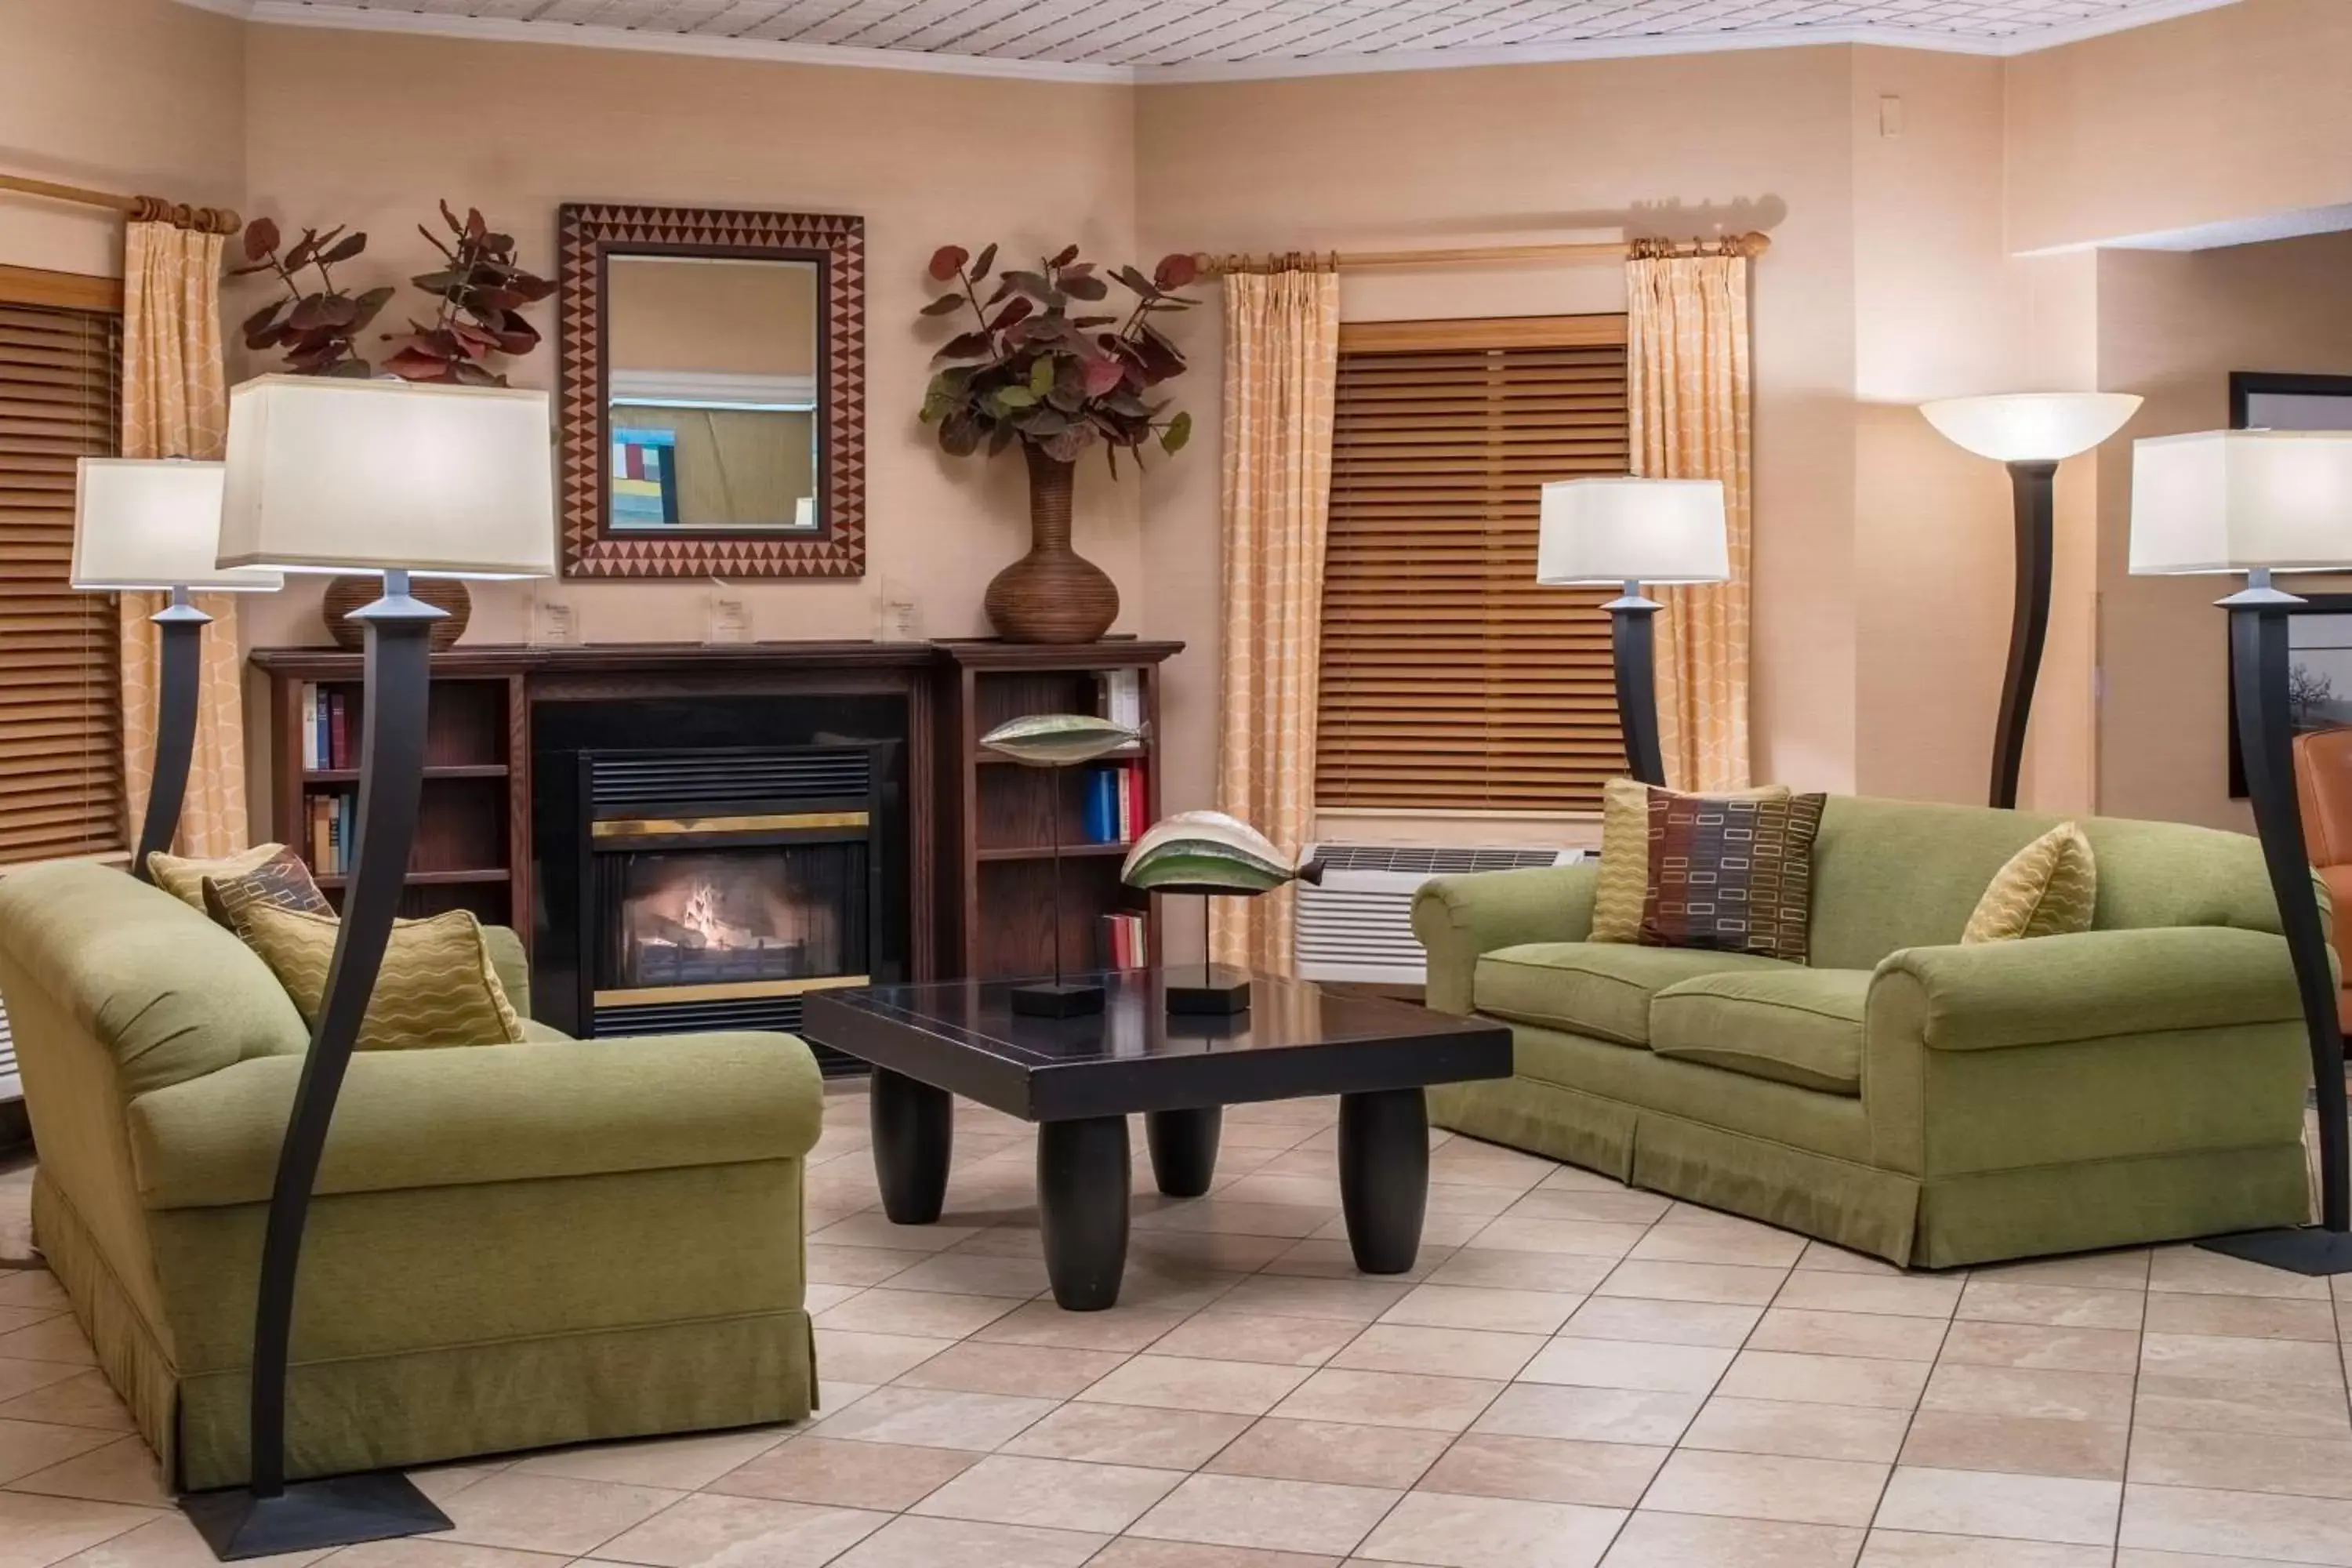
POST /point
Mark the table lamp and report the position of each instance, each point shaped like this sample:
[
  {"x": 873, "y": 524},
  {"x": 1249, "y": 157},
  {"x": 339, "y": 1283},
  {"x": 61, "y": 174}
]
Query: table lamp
[
  {"x": 2033, "y": 432},
  {"x": 328, "y": 474},
  {"x": 2260, "y": 502},
  {"x": 1632, "y": 532},
  {"x": 152, "y": 525}
]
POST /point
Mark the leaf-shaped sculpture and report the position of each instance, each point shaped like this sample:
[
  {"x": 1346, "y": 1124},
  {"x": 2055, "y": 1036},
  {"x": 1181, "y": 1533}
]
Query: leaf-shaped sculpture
[
  {"x": 1208, "y": 852},
  {"x": 1057, "y": 739}
]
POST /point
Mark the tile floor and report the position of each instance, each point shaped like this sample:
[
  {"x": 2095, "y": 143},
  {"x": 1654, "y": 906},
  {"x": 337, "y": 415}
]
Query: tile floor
[{"x": 1576, "y": 1374}]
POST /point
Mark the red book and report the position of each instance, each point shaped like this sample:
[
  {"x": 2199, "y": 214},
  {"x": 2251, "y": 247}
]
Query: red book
[{"x": 338, "y": 749}]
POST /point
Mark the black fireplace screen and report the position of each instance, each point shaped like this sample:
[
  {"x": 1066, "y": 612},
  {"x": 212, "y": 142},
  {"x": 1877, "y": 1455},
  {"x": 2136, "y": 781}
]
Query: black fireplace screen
[{"x": 717, "y": 916}]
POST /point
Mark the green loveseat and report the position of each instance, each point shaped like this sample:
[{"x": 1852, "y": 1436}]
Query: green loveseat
[
  {"x": 1905, "y": 1096},
  {"x": 513, "y": 1246}
]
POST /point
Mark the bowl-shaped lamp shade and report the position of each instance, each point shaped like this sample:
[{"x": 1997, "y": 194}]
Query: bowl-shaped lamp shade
[
  {"x": 2031, "y": 426},
  {"x": 153, "y": 524},
  {"x": 328, "y": 474},
  {"x": 1632, "y": 530},
  {"x": 2243, "y": 500}
]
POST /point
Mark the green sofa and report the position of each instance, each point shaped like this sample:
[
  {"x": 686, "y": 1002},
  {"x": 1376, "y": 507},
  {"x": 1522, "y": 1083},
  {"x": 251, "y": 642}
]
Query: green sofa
[
  {"x": 1905, "y": 1096},
  {"x": 512, "y": 1246}
]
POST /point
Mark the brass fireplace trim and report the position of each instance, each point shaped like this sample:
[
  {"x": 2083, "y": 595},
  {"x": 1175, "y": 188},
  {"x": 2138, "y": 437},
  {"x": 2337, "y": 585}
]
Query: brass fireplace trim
[
  {"x": 766, "y": 822},
  {"x": 727, "y": 991}
]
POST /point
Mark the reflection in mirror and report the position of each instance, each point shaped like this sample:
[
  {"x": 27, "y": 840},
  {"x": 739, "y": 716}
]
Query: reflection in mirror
[{"x": 712, "y": 414}]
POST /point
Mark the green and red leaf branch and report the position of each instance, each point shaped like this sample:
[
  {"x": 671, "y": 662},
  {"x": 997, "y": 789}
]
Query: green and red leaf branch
[{"x": 1035, "y": 366}]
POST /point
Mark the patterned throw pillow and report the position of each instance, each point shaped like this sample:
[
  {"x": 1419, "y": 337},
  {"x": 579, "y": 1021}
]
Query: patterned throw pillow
[
  {"x": 1732, "y": 875},
  {"x": 184, "y": 879},
  {"x": 437, "y": 986},
  {"x": 1624, "y": 879},
  {"x": 2050, "y": 888},
  {"x": 282, "y": 881}
]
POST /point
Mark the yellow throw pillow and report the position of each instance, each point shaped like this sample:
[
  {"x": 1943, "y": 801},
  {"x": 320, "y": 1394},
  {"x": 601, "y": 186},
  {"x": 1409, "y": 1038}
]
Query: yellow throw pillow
[
  {"x": 282, "y": 881},
  {"x": 2050, "y": 888},
  {"x": 437, "y": 986},
  {"x": 1623, "y": 882},
  {"x": 184, "y": 879}
]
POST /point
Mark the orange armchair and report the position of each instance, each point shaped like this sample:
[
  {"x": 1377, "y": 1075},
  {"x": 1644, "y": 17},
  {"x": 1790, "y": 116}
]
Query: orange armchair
[{"x": 2323, "y": 781}]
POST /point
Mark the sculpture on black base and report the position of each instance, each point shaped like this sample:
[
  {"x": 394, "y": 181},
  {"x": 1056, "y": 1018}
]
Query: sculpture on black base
[{"x": 1210, "y": 855}]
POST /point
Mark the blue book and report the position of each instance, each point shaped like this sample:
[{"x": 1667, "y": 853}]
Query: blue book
[{"x": 1100, "y": 818}]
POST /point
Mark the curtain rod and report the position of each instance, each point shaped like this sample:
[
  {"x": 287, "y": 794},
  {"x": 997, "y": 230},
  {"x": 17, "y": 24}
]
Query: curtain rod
[
  {"x": 1486, "y": 256},
  {"x": 137, "y": 209}
]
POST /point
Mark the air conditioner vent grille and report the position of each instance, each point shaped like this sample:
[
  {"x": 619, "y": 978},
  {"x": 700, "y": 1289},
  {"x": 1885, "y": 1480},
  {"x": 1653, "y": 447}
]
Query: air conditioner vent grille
[
  {"x": 1358, "y": 925},
  {"x": 1430, "y": 860}
]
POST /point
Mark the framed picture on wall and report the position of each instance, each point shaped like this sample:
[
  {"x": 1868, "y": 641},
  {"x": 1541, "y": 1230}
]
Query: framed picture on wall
[{"x": 2319, "y": 631}]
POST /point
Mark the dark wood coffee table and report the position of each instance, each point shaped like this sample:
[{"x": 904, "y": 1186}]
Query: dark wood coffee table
[{"x": 1080, "y": 1078}]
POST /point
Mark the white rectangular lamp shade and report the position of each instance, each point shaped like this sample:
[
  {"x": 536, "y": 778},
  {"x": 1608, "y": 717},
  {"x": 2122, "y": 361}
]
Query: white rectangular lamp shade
[
  {"x": 1632, "y": 530},
  {"x": 2242, "y": 500},
  {"x": 146, "y": 524},
  {"x": 331, "y": 475}
]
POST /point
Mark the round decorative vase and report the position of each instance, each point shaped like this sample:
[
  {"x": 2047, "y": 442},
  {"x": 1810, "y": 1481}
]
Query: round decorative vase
[
  {"x": 345, "y": 595},
  {"x": 1053, "y": 594}
]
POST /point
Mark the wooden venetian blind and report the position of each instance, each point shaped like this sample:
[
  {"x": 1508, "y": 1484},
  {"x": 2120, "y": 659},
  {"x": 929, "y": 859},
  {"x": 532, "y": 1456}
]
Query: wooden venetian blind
[
  {"x": 61, "y": 705},
  {"x": 1451, "y": 681}
]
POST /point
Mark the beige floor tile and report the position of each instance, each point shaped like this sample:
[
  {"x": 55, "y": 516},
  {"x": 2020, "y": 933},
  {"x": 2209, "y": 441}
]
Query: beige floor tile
[
  {"x": 1577, "y": 1179},
  {"x": 1895, "y": 1296},
  {"x": 1545, "y": 1469},
  {"x": 1825, "y": 1379},
  {"x": 873, "y": 1358},
  {"x": 1722, "y": 1324},
  {"x": 1390, "y": 1399},
  {"x": 1282, "y": 1516},
  {"x": 1589, "y": 1415},
  {"x": 2024, "y": 1390},
  {"x": 2053, "y": 1306},
  {"x": 1295, "y": 1189},
  {"x": 2025, "y": 1508},
  {"x": 1907, "y": 1549},
  {"x": 2197, "y": 1271},
  {"x": 2032, "y": 1345},
  {"x": 1235, "y": 1218},
  {"x": 1042, "y": 1371},
  {"x": 1458, "y": 1352},
  {"x": 2243, "y": 1461},
  {"x": 2262, "y": 1525},
  {"x": 1697, "y": 1541},
  {"x": 1358, "y": 1300},
  {"x": 2240, "y": 1317},
  {"x": 1183, "y": 1382},
  {"x": 1578, "y": 1237},
  {"x": 55, "y": 1337},
  {"x": 2196, "y": 1404},
  {"x": 958, "y": 1272},
  {"x": 1823, "y": 1257},
  {"x": 1327, "y": 1254},
  {"x": 1678, "y": 1240},
  {"x": 1126, "y": 1327},
  {"x": 680, "y": 1463},
  {"x": 14, "y": 1318},
  {"x": 2125, "y": 1268},
  {"x": 34, "y": 1288},
  {"x": 1626, "y": 1363},
  {"x": 1130, "y": 1434},
  {"x": 29, "y": 1446},
  {"x": 885, "y": 1310},
  {"x": 1947, "y": 1441},
  {"x": 1767, "y": 1486},
  {"x": 1799, "y": 1431},
  {"x": 37, "y": 1530},
  {"x": 549, "y": 1513},
  {"x": 434, "y": 1552},
  {"x": 1871, "y": 1335},
  {"x": 1503, "y": 1311},
  {"x": 859, "y": 1265},
  {"x": 1251, "y": 1336},
  {"x": 1492, "y": 1533},
  {"x": 2141, "y": 1557},
  {"x": 1610, "y": 1207},
  {"x": 123, "y": 1470},
  {"x": 936, "y": 1418},
  {"x": 1466, "y": 1163},
  {"x": 875, "y": 1229},
  {"x": 21, "y": 1377},
  {"x": 1134, "y": 1551},
  {"x": 1053, "y": 1494},
  {"x": 1333, "y": 1452},
  {"x": 168, "y": 1541},
  {"x": 912, "y": 1542},
  {"x": 713, "y": 1531},
  {"x": 1676, "y": 1281},
  {"x": 817, "y": 1298},
  {"x": 845, "y": 1475},
  {"x": 1228, "y": 1252},
  {"x": 1555, "y": 1271},
  {"x": 2241, "y": 1360}
]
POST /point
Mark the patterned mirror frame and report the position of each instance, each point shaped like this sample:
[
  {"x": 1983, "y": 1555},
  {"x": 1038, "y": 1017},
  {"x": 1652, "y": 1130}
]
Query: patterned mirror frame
[{"x": 587, "y": 234}]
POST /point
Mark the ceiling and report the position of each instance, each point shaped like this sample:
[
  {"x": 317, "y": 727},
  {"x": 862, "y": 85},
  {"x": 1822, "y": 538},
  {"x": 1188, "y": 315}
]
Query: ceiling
[{"x": 1144, "y": 40}]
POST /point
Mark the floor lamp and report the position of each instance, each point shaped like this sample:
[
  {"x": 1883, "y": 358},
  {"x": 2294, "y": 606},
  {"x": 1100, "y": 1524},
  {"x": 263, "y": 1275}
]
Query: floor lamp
[
  {"x": 1632, "y": 532},
  {"x": 329, "y": 475},
  {"x": 152, "y": 525},
  {"x": 2260, "y": 502},
  {"x": 2033, "y": 432}
]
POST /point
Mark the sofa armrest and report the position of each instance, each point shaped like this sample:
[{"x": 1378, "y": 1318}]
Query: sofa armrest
[
  {"x": 512, "y": 965},
  {"x": 468, "y": 1115},
  {"x": 2051, "y": 990},
  {"x": 1459, "y": 918}
]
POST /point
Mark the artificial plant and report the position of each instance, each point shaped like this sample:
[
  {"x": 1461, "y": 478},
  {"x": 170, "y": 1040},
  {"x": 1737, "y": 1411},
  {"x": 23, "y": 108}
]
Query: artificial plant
[
  {"x": 316, "y": 322},
  {"x": 479, "y": 293}
]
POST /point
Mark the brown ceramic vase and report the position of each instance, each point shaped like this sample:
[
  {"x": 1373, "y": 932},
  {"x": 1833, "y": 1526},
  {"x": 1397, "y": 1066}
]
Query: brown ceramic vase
[
  {"x": 345, "y": 595},
  {"x": 1053, "y": 594}
]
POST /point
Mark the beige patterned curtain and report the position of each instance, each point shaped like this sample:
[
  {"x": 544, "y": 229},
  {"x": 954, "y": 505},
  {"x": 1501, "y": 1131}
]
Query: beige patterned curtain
[
  {"x": 175, "y": 405},
  {"x": 1687, "y": 355},
  {"x": 1282, "y": 367}
]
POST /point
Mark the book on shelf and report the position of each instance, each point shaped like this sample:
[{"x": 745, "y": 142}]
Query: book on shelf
[
  {"x": 1124, "y": 946},
  {"x": 1121, "y": 692},
  {"x": 333, "y": 824},
  {"x": 326, "y": 728},
  {"x": 1112, "y": 806}
]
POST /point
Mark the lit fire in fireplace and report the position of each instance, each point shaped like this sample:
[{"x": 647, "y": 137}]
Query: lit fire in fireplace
[{"x": 700, "y": 917}]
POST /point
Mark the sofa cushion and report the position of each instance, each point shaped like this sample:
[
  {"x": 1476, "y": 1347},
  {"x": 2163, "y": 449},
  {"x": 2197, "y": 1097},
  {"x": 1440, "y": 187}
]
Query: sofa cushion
[
  {"x": 1623, "y": 880},
  {"x": 2050, "y": 888},
  {"x": 1732, "y": 875},
  {"x": 437, "y": 985},
  {"x": 1602, "y": 989},
  {"x": 1800, "y": 1027}
]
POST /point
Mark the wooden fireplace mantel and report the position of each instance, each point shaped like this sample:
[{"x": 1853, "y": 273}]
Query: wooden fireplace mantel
[{"x": 490, "y": 659}]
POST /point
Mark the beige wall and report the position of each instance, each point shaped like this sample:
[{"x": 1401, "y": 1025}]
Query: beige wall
[{"x": 738, "y": 318}]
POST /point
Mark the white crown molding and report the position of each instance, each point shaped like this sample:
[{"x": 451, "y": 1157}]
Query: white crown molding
[{"x": 364, "y": 18}]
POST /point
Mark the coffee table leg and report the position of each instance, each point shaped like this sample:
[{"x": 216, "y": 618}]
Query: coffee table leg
[
  {"x": 1384, "y": 1176},
  {"x": 914, "y": 1134},
  {"x": 1082, "y": 1179},
  {"x": 1183, "y": 1149}
]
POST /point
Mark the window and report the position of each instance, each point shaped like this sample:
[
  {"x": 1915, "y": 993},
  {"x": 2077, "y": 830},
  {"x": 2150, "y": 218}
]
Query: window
[{"x": 1452, "y": 681}]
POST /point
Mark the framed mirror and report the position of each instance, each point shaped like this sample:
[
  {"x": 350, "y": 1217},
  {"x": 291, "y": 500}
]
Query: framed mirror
[{"x": 711, "y": 390}]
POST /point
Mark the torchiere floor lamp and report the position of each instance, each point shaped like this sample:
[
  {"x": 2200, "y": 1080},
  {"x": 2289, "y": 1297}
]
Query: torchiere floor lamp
[
  {"x": 1634, "y": 531},
  {"x": 2033, "y": 432},
  {"x": 153, "y": 524},
  {"x": 328, "y": 475},
  {"x": 2260, "y": 502}
]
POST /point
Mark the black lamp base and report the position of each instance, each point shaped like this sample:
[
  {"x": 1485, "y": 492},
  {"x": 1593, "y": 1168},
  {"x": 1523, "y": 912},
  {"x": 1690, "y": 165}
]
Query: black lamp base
[
  {"x": 1215, "y": 991},
  {"x": 1058, "y": 999},
  {"x": 311, "y": 1516},
  {"x": 2299, "y": 1249}
]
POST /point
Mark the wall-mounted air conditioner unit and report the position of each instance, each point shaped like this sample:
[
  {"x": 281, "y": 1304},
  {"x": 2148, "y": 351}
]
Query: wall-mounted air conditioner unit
[{"x": 1359, "y": 924}]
